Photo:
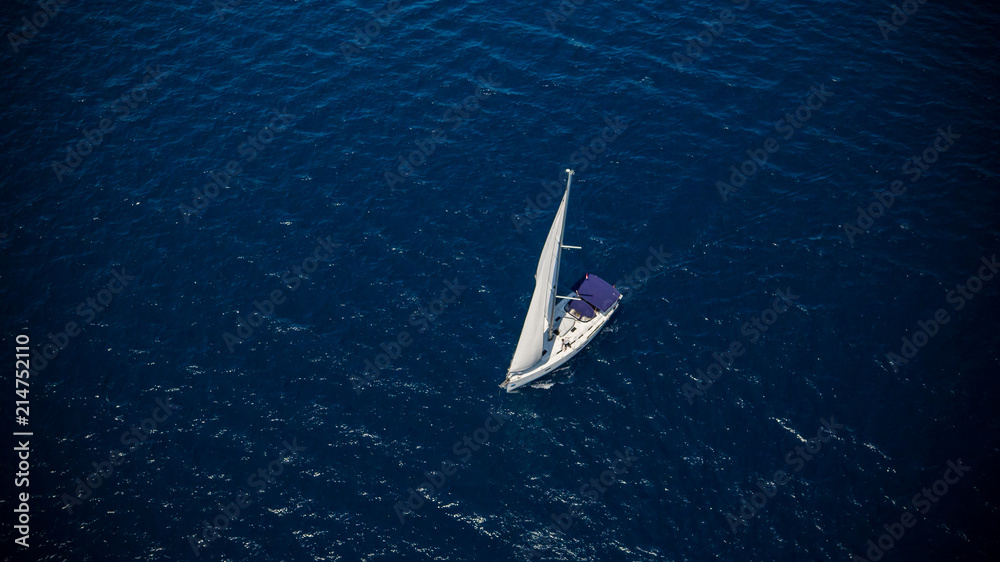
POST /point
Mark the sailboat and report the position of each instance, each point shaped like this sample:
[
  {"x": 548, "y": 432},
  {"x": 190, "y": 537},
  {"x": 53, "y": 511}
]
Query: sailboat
[{"x": 557, "y": 327}]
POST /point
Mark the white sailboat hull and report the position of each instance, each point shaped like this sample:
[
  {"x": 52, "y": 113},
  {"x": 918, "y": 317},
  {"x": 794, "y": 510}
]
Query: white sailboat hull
[
  {"x": 577, "y": 333},
  {"x": 556, "y": 330}
]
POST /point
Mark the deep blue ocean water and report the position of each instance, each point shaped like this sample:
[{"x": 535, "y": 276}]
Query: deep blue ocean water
[{"x": 122, "y": 237}]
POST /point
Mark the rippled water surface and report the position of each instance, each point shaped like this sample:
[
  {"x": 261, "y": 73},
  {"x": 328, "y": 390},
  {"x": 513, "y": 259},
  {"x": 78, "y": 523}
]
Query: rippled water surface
[{"x": 217, "y": 217}]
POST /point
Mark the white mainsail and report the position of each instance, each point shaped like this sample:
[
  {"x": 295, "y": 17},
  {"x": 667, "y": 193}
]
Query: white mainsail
[{"x": 538, "y": 321}]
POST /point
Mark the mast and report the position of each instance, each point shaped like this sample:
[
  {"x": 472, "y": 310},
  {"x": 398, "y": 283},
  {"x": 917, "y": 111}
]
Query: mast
[
  {"x": 538, "y": 321},
  {"x": 559, "y": 246}
]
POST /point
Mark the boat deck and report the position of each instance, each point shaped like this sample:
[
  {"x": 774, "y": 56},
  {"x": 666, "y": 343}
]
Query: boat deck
[
  {"x": 576, "y": 332},
  {"x": 569, "y": 329}
]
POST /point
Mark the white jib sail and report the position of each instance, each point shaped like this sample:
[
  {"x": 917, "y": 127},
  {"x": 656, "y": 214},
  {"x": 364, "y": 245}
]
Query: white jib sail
[{"x": 539, "y": 317}]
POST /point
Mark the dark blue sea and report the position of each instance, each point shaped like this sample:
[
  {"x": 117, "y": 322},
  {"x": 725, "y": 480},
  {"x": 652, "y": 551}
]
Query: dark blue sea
[{"x": 267, "y": 263}]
